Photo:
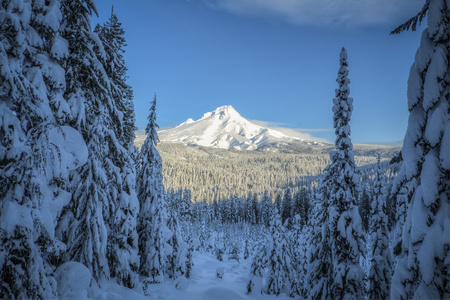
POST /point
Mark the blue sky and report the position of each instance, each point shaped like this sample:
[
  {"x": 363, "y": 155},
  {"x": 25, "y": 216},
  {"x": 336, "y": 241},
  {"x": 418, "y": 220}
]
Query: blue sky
[{"x": 274, "y": 61}]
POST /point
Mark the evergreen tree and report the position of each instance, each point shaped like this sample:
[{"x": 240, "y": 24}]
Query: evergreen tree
[
  {"x": 422, "y": 271},
  {"x": 305, "y": 205},
  {"x": 87, "y": 230},
  {"x": 122, "y": 237},
  {"x": 34, "y": 163},
  {"x": 296, "y": 204},
  {"x": 257, "y": 269},
  {"x": 278, "y": 201},
  {"x": 112, "y": 36},
  {"x": 219, "y": 248},
  {"x": 266, "y": 207},
  {"x": 400, "y": 218},
  {"x": 286, "y": 207},
  {"x": 152, "y": 229},
  {"x": 345, "y": 223},
  {"x": 319, "y": 277},
  {"x": 177, "y": 257},
  {"x": 301, "y": 205},
  {"x": 364, "y": 209},
  {"x": 186, "y": 207},
  {"x": 381, "y": 263},
  {"x": 249, "y": 212},
  {"x": 278, "y": 278},
  {"x": 189, "y": 260},
  {"x": 234, "y": 254},
  {"x": 299, "y": 258},
  {"x": 341, "y": 223},
  {"x": 83, "y": 225},
  {"x": 246, "y": 249},
  {"x": 254, "y": 209}
]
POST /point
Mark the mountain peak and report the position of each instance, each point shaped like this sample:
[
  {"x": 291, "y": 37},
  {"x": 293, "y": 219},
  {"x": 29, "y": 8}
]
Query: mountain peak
[
  {"x": 225, "y": 128},
  {"x": 225, "y": 108},
  {"x": 223, "y": 112}
]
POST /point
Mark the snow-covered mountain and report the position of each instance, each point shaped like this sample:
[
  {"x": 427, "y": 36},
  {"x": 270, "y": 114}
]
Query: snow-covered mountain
[{"x": 225, "y": 128}]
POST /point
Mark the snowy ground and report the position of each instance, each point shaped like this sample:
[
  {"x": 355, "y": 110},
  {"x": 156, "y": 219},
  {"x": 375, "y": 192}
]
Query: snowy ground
[{"x": 203, "y": 285}]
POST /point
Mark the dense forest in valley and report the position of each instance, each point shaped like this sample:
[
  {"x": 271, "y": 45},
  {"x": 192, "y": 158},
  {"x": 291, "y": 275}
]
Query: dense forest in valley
[{"x": 213, "y": 174}]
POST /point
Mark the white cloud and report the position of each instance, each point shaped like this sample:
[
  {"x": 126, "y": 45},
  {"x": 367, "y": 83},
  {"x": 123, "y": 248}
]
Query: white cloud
[
  {"x": 325, "y": 12},
  {"x": 294, "y": 132},
  {"x": 390, "y": 144}
]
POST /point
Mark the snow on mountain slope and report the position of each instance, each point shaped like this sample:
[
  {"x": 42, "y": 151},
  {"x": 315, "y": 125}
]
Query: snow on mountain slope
[{"x": 225, "y": 128}]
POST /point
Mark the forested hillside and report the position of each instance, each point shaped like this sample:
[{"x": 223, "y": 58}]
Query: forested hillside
[{"x": 213, "y": 174}]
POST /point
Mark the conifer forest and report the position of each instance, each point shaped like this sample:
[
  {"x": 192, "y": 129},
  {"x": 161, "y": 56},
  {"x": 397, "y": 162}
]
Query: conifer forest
[{"x": 90, "y": 211}]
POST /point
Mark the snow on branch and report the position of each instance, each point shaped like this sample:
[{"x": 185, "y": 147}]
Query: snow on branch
[{"x": 412, "y": 23}]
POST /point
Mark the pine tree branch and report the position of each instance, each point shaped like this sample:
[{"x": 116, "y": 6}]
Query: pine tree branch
[{"x": 412, "y": 23}]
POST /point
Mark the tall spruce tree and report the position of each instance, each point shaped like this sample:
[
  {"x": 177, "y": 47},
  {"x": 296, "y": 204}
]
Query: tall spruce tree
[
  {"x": 422, "y": 271},
  {"x": 177, "y": 259},
  {"x": 186, "y": 207},
  {"x": 279, "y": 274},
  {"x": 341, "y": 223},
  {"x": 278, "y": 201},
  {"x": 305, "y": 205},
  {"x": 345, "y": 223},
  {"x": 319, "y": 276},
  {"x": 298, "y": 250},
  {"x": 152, "y": 228},
  {"x": 266, "y": 207},
  {"x": 286, "y": 207},
  {"x": 364, "y": 208},
  {"x": 381, "y": 262},
  {"x": 400, "y": 218},
  {"x": 254, "y": 208},
  {"x": 84, "y": 225},
  {"x": 122, "y": 237},
  {"x": 34, "y": 162},
  {"x": 258, "y": 266}
]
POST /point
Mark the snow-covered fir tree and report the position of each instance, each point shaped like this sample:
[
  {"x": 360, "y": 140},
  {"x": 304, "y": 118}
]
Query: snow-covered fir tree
[
  {"x": 219, "y": 246},
  {"x": 305, "y": 196},
  {"x": 189, "y": 258},
  {"x": 258, "y": 266},
  {"x": 235, "y": 252},
  {"x": 152, "y": 228},
  {"x": 35, "y": 154},
  {"x": 278, "y": 201},
  {"x": 344, "y": 220},
  {"x": 381, "y": 262},
  {"x": 250, "y": 212},
  {"x": 266, "y": 207},
  {"x": 364, "y": 208},
  {"x": 301, "y": 205},
  {"x": 400, "y": 218},
  {"x": 286, "y": 207},
  {"x": 186, "y": 207},
  {"x": 177, "y": 257},
  {"x": 279, "y": 275},
  {"x": 122, "y": 237},
  {"x": 254, "y": 209},
  {"x": 246, "y": 249},
  {"x": 422, "y": 271},
  {"x": 337, "y": 210},
  {"x": 298, "y": 250},
  {"x": 83, "y": 225},
  {"x": 296, "y": 205},
  {"x": 112, "y": 36},
  {"x": 319, "y": 277}
]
